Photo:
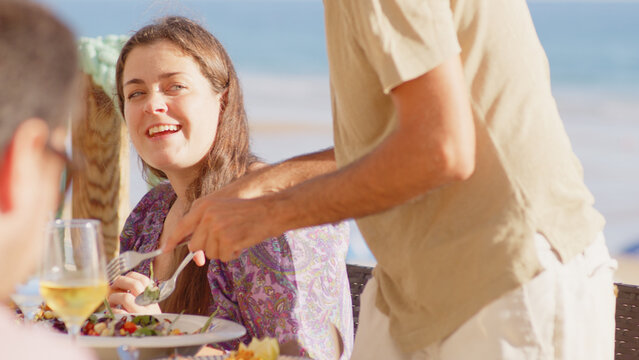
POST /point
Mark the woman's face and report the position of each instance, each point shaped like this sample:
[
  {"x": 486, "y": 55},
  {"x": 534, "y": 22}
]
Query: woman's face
[{"x": 169, "y": 107}]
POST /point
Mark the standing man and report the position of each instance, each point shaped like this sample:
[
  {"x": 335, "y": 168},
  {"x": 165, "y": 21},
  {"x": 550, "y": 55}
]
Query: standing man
[
  {"x": 454, "y": 161},
  {"x": 40, "y": 86}
]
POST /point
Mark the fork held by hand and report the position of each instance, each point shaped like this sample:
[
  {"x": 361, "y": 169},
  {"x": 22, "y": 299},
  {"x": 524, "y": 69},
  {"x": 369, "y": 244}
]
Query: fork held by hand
[
  {"x": 166, "y": 287},
  {"x": 127, "y": 261}
]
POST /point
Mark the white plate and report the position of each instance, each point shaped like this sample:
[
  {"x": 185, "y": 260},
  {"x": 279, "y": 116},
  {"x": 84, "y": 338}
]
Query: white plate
[
  {"x": 224, "y": 357},
  {"x": 157, "y": 346}
]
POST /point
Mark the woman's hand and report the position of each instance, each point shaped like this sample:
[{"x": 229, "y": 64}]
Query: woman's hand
[{"x": 124, "y": 290}]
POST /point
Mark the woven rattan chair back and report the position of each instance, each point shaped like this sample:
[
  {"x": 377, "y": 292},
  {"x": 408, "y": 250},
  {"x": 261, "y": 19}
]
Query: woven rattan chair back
[
  {"x": 358, "y": 275},
  {"x": 627, "y": 322}
]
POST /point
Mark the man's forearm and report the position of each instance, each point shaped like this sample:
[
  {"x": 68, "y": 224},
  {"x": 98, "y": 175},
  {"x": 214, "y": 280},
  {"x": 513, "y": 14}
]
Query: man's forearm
[
  {"x": 299, "y": 169},
  {"x": 433, "y": 145},
  {"x": 400, "y": 169},
  {"x": 264, "y": 178},
  {"x": 276, "y": 177}
]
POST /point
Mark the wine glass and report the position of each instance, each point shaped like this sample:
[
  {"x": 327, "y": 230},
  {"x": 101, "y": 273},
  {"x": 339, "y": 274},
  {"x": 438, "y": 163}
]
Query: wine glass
[
  {"x": 73, "y": 279},
  {"x": 27, "y": 297}
]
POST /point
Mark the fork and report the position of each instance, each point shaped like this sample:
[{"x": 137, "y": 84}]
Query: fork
[
  {"x": 127, "y": 261},
  {"x": 130, "y": 259},
  {"x": 166, "y": 287}
]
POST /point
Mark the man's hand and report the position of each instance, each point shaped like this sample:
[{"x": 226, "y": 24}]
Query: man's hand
[
  {"x": 223, "y": 227},
  {"x": 229, "y": 214}
]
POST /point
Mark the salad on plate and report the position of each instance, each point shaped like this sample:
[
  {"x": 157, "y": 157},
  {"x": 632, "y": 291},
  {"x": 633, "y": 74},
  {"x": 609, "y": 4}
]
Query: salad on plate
[{"x": 107, "y": 324}]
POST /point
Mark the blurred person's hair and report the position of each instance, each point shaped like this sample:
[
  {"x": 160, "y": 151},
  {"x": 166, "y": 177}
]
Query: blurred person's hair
[
  {"x": 229, "y": 156},
  {"x": 38, "y": 68}
]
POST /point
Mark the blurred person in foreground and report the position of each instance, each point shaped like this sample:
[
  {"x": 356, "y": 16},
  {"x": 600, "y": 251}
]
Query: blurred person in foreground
[
  {"x": 453, "y": 159},
  {"x": 40, "y": 87}
]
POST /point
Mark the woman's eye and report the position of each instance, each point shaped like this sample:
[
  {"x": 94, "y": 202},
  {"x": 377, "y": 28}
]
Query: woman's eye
[
  {"x": 134, "y": 94},
  {"x": 176, "y": 87}
]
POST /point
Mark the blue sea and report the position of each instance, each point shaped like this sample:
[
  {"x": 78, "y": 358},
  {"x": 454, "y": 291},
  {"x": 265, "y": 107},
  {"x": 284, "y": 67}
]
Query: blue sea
[{"x": 279, "y": 50}]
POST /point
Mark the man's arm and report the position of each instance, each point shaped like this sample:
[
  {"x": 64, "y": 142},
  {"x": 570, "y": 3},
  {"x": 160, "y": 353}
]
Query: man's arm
[
  {"x": 433, "y": 145},
  {"x": 264, "y": 179}
]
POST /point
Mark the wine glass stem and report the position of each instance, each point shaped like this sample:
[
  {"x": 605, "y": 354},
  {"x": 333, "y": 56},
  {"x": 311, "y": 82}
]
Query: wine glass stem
[
  {"x": 29, "y": 316},
  {"x": 74, "y": 331}
]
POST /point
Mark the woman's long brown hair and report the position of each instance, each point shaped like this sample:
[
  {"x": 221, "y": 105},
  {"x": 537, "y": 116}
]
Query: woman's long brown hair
[{"x": 229, "y": 156}]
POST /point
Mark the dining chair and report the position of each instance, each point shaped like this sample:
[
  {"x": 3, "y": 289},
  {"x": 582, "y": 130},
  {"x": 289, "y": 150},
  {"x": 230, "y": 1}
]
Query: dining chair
[
  {"x": 358, "y": 275},
  {"x": 627, "y": 322}
]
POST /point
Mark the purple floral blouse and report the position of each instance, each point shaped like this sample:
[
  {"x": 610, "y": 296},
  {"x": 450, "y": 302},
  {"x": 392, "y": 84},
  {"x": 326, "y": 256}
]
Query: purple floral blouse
[{"x": 290, "y": 287}]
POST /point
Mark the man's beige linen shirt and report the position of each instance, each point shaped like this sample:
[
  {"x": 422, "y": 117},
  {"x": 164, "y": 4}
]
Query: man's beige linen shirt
[{"x": 446, "y": 254}]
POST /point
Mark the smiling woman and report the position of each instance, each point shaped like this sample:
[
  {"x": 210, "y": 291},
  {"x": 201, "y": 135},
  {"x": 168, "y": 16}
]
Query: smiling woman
[
  {"x": 169, "y": 108},
  {"x": 180, "y": 98}
]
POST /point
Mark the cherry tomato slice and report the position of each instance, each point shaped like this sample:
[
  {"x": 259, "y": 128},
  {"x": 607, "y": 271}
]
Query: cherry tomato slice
[{"x": 129, "y": 327}]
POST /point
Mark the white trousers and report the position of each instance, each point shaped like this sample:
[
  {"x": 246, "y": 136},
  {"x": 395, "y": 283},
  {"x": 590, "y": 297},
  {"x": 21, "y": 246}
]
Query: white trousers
[{"x": 566, "y": 312}]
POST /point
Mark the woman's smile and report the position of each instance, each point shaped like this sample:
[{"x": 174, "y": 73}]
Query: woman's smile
[{"x": 159, "y": 130}]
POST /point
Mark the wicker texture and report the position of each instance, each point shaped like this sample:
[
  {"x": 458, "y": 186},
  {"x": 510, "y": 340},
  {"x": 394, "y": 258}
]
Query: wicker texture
[
  {"x": 627, "y": 322},
  {"x": 358, "y": 275}
]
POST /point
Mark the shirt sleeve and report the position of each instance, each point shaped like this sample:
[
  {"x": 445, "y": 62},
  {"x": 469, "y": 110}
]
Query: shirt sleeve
[{"x": 403, "y": 39}]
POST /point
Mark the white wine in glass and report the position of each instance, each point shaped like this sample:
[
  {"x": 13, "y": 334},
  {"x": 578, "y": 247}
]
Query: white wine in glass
[{"x": 73, "y": 279}]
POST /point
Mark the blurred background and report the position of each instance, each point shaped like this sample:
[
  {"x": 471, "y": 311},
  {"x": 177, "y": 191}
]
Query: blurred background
[{"x": 279, "y": 50}]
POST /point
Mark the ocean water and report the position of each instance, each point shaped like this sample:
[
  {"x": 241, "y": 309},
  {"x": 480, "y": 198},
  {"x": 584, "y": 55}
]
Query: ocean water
[{"x": 279, "y": 50}]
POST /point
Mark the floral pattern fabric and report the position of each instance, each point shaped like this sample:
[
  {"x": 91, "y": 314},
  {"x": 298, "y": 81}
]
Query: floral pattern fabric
[{"x": 290, "y": 287}]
